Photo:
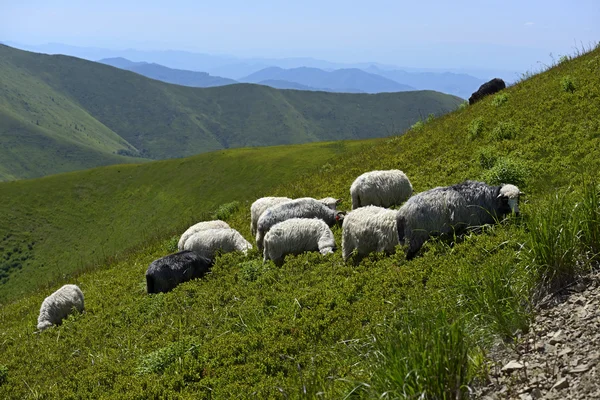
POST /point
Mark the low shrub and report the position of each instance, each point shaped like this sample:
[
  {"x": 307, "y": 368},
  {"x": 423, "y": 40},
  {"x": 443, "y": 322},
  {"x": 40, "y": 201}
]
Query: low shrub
[
  {"x": 499, "y": 99},
  {"x": 475, "y": 128},
  {"x": 487, "y": 157},
  {"x": 3, "y": 374},
  {"x": 567, "y": 84},
  {"x": 507, "y": 170},
  {"x": 505, "y": 131},
  {"x": 226, "y": 210}
]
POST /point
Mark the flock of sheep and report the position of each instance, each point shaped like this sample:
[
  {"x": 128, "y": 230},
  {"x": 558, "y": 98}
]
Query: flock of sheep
[{"x": 285, "y": 226}]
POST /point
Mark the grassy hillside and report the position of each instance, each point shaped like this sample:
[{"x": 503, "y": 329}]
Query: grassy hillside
[
  {"x": 79, "y": 106},
  {"x": 97, "y": 213},
  {"x": 319, "y": 326}
]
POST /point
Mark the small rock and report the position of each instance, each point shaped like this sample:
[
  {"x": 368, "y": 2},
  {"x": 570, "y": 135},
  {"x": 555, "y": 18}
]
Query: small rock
[
  {"x": 579, "y": 369},
  {"x": 536, "y": 393},
  {"x": 565, "y": 351},
  {"x": 561, "y": 384},
  {"x": 556, "y": 338},
  {"x": 548, "y": 348},
  {"x": 512, "y": 366}
]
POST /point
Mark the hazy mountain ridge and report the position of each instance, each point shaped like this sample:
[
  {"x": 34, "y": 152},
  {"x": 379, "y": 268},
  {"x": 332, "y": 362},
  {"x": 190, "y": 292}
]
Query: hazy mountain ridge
[
  {"x": 339, "y": 80},
  {"x": 79, "y": 107},
  {"x": 169, "y": 75}
]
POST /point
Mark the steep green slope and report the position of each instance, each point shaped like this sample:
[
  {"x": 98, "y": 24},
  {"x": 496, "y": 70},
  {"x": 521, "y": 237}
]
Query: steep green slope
[
  {"x": 116, "y": 111},
  {"x": 317, "y": 325},
  {"x": 94, "y": 214}
]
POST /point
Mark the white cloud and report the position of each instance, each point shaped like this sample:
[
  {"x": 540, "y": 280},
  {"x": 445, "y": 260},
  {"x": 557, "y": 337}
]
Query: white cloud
[{"x": 529, "y": 23}]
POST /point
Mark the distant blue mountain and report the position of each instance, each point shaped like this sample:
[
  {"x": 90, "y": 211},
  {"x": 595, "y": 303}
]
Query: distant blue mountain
[
  {"x": 351, "y": 80},
  {"x": 461, "y": 85},
  {"x": 279, "y": 84},
  {"x": 169, "y": 75}
]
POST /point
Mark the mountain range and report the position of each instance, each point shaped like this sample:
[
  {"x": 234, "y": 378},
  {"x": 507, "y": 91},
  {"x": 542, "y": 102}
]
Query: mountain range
[
  {"x": 169, "y": 75},
  {"x": 60, "y": 113},
  {"x": 459, "y": 82}
]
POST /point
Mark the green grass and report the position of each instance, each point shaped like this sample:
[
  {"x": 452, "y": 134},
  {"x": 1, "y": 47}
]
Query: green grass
[
  {"x": 95, "y": 214},
  {"x": 317, "y": 326},
  {"x": 60, "y": 113}
]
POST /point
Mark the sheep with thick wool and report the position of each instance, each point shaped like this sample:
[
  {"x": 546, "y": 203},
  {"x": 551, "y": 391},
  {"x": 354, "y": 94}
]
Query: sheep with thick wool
[
  {"x": 380, "y": 188},
  {"x": 296, "y": 236},
  {"x": 261, "y": 205},
  {"x": 305, "y": 207},
  {"x": 369, "y": 229},
  {"x": 206, "y": 243},
  {"x": 453, "y": 209},
  {"x": 166, "y": 273},
  {"x": 201, "y": 226},
  {"x": 59, "y": 305}
]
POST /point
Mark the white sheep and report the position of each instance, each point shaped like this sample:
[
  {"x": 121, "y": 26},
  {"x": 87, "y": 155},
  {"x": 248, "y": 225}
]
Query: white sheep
[
  {"x": 305, "y": 207},
  {"x": 206, "y": 243},
  {"x": 261, "y": 205},
  {"x": 369, "y": 229},
  {"x": 59, "y": 305},
  {"x": 380, "y": 188},
  {"x": 295, "y": 236},
  {"x": 201, "y": 226}
]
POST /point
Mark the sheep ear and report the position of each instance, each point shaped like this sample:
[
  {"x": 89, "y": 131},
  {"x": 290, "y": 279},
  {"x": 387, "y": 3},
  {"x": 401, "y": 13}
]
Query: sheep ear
[
  {"x": 338, "y": 201},
  {"x": 521, "y": 194}
]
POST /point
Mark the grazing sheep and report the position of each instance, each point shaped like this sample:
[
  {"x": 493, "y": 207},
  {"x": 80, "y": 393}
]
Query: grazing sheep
[
  {"x": 295, "y": 236},
  {"x": 369, "y": 229},
  {"x": 380, "y": 188},
  {"x": 164, "y": 274},
  {"x": 305, "y": 207},
  {"x": 207, "y": 243},
  {"x": 491, "y": 87},
  {"x": 444, "y": 210},
  {"x": 261, "y": 205},
  {"x": 201, "y": 226},
  {"x": 59, "y": 305}
]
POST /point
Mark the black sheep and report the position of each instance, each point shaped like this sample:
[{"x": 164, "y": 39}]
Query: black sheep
[
  {"x": 166, "y": 273},
  {"x": 491, "y": 87}
]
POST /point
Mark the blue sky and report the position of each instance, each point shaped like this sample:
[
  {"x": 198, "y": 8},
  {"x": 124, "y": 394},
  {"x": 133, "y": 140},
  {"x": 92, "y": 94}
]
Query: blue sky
[{"x": 421, "y": 33}]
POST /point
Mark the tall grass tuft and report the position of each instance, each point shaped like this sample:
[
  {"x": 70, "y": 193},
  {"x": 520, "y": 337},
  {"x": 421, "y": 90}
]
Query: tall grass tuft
[
  {"x": 498, "y": 298},
  {"x": 554, "y": 241},
  {"x": 589, "y": 211},
  {"x": 426, "y": 356}
]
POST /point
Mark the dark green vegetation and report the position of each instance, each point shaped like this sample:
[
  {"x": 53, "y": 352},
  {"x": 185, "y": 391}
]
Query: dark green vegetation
[
  {"x": 94, "y": 214},
  {"x": 60, "y": 113},
  {"x": 317, "y": 325}
]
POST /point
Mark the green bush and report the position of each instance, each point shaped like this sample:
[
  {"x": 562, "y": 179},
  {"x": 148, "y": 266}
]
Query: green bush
[
  {"x": 171, "y": 245},
  {"x": 159, "y": 360},
  {"x": 499, "y": 99},
  {"x": 463, "y": 105},
  {"x": 475, "y": 128},
  {"x": 505, "y": 131},
  {"x": 3, "y": 374},
  {"x": 225, "y": 210},
  {"x": 417, "y": 126},
  {"x": 507, "y": 170},
  {"x": 487, "y": 157},
  {"x": 563, "y": 59},
  {"x": 567, "y": 84},
  {"x": 430, "y": 118}
]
